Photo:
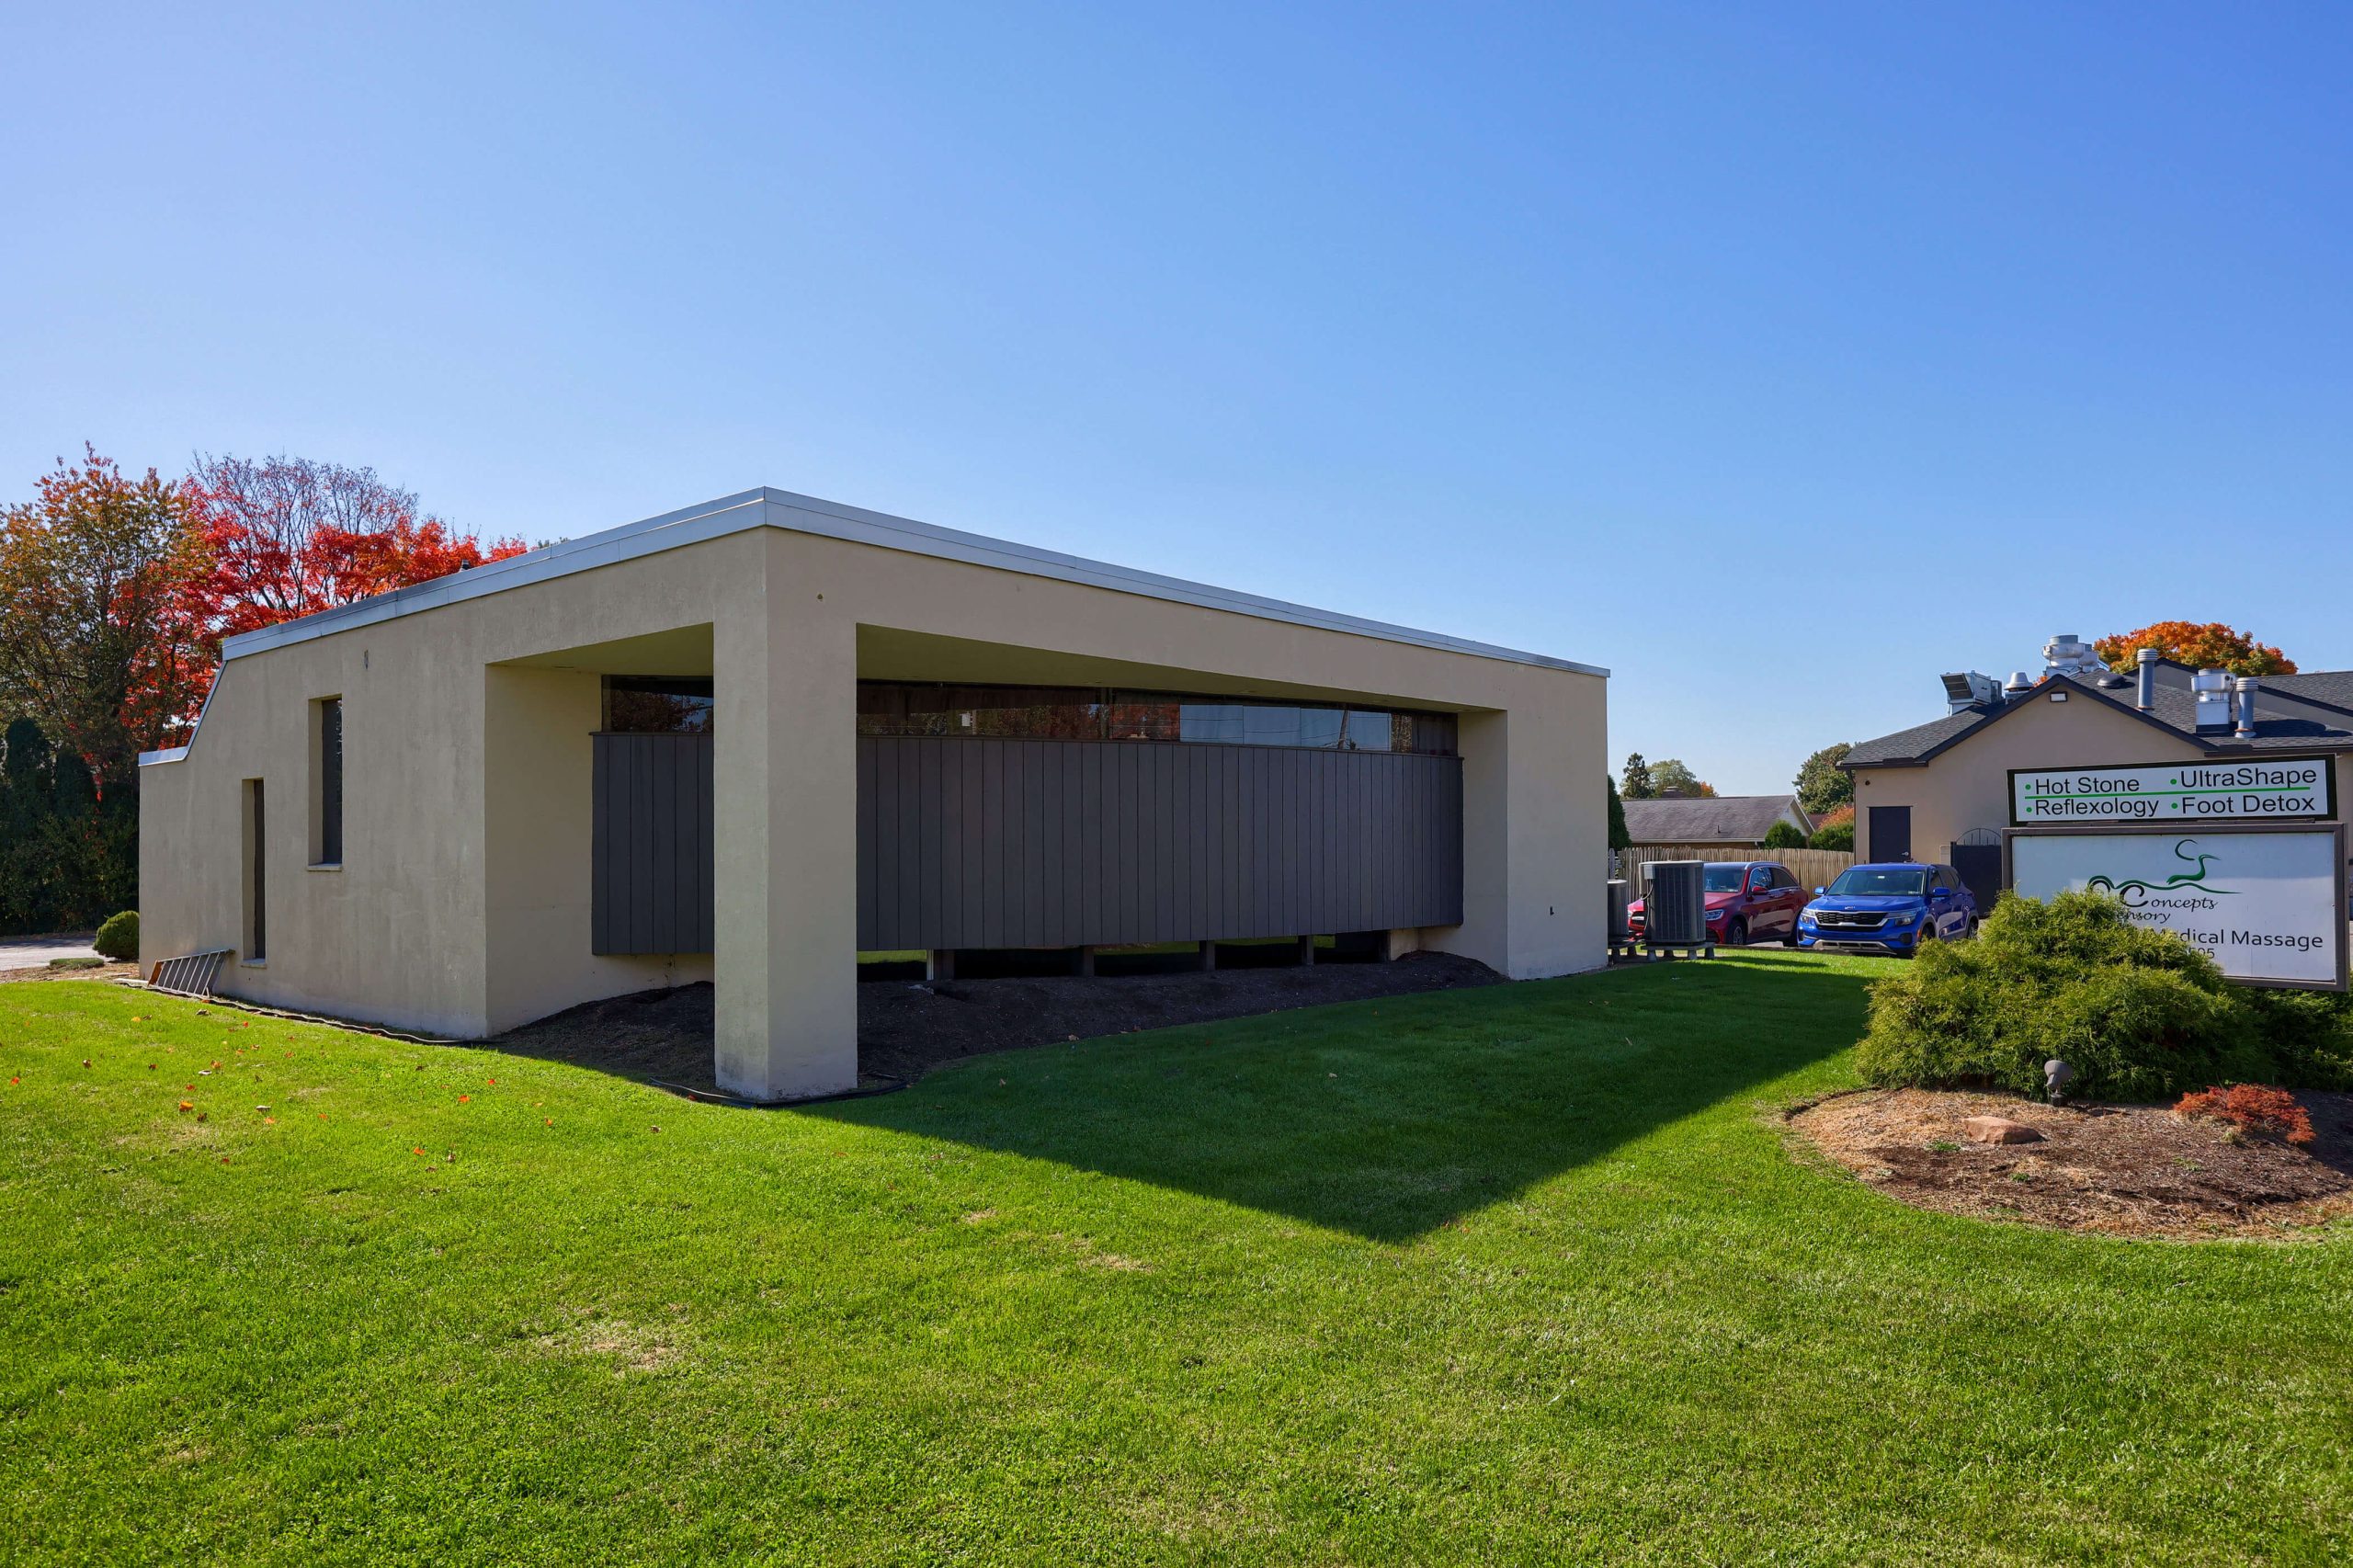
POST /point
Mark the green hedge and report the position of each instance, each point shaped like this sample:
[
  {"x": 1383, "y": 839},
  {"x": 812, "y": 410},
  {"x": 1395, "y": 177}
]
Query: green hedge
[{"x": 2140, "y": 1015}]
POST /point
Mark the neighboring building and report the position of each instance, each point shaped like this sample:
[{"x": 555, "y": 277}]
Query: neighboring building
[
  {"x": 1942, "y": 791},
  {"x": 1712, "y": 822},
  {"x": 744, "y": 742}
]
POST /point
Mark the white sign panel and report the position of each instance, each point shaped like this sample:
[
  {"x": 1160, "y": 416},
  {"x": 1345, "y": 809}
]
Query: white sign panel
[
  {"x": 2271, "y": 788},
  {"x": 2266, "y": 905}
]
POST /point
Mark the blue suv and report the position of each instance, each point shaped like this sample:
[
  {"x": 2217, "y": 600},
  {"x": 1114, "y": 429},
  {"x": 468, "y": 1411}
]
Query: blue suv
[{"x": 1887, "y": 909}]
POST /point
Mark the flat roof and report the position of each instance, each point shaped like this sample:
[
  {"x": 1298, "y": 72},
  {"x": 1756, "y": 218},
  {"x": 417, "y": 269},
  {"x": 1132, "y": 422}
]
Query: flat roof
[{"x": 831, "y": 519}]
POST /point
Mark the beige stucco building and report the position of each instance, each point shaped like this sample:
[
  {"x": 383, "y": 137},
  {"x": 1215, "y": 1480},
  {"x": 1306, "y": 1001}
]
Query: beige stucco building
[
  {"x": 1935, "y": 791},
  {"x": 741, "y": 742}
]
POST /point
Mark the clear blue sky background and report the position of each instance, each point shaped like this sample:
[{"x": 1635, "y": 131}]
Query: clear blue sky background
[{"x": 1779, "y": 357}]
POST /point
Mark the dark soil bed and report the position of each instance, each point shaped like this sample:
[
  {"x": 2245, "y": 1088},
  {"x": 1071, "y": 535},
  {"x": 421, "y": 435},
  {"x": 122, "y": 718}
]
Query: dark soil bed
[
  {"x": 2126, "y": 1170},
  {"x": 908, "y": 1027}
]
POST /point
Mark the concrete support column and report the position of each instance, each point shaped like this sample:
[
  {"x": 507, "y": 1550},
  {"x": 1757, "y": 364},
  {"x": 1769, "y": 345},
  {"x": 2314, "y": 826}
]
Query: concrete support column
[
  {"x": 1306, "y": 954},
  {"x": 785, "y": 680},
  {"x": 1208, "y": 958},
  {"x": 1535, "y": 837}
]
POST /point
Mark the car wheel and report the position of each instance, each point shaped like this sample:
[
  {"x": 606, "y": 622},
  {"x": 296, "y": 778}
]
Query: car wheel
[
  {"x": 1736, "y": 934},
  {"x": 1790, "y": 937}
]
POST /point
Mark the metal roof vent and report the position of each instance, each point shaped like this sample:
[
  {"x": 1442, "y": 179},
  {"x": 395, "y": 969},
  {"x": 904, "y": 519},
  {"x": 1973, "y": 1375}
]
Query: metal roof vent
[
  {"x": 2211, "y": 688},
  {"x": 2019, "y": 685},
  {"x": 2068, "y": 654},
  {"x": 1963, "y": 692},
  {"x": 2146, "y": 698},
  {"x": 2246, "y": 690}
]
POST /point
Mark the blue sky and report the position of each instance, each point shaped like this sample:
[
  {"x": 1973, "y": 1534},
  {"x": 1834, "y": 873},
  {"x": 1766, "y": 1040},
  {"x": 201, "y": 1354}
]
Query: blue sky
[{"x": 1778, "y": 356}]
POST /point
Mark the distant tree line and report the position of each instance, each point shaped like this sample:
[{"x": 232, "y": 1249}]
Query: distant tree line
[{"x": 69, "y": 857}]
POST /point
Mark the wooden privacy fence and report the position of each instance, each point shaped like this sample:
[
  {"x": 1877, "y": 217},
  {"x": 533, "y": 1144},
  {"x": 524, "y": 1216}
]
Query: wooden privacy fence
[{"x": 1812, "y": 867}]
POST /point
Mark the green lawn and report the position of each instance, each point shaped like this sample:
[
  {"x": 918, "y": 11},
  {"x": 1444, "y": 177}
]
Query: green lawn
[{"x": 1522, "y": 1274}]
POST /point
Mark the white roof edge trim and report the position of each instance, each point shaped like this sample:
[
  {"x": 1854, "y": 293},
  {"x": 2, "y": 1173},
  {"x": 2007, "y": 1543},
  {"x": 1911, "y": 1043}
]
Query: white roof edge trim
[{"x": 806, "y": 514}]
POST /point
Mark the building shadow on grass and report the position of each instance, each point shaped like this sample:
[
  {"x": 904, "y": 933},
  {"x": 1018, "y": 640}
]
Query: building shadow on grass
[{"x": 1390, "y": 1118}]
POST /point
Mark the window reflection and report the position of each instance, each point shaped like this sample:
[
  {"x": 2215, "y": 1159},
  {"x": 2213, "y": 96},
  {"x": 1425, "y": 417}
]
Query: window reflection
[
  {"x": 1079, "y": 713},
  {"x": 657, "y": 705}
]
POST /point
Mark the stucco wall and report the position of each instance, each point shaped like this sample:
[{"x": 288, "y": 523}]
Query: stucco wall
[
  {"x": 463, "y": 902},
  {"x": 402, "y": 933}
]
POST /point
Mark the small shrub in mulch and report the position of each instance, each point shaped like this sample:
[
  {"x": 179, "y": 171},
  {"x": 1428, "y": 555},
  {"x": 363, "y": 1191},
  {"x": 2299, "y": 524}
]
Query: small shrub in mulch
[{"x": 2250, "y": 1108}]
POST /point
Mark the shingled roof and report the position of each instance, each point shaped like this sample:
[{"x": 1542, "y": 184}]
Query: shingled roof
[
  {"x": 2176, "y": 712},
  {"x": 1710, "y": 819}
]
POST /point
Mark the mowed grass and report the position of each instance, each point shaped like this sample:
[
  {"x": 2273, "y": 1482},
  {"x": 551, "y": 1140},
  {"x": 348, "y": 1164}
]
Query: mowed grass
[{"x": 1518, "y": 1274}]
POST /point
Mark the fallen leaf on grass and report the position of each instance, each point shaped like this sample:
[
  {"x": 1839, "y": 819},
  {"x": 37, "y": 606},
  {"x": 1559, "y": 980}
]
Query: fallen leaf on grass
[{"x": 187, "y": 1105}]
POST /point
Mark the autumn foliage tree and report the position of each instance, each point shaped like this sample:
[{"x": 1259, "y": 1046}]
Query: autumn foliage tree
[
  {"x": 96, "y": 640},
  {"x": 2201, "y": 646},
  {"x": 287, "y": 536},
  {"x": 115, "y": 593}
]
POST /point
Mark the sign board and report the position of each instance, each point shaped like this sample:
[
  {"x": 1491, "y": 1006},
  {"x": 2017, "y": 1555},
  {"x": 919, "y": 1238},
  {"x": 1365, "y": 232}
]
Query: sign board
[
  {"x": 2267, "y": 903},
  {"x": 2266, "y": 788}
]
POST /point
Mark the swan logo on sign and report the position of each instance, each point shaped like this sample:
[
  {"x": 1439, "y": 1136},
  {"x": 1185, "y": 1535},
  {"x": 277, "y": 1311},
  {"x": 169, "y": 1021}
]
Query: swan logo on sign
[{"x": 2134, "y": 893}]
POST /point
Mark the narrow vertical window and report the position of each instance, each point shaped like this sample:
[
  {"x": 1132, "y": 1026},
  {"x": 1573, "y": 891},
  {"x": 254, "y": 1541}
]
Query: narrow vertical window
[
  {"x": 257, "y": 878},
  {"x": 327, "y": 839}
]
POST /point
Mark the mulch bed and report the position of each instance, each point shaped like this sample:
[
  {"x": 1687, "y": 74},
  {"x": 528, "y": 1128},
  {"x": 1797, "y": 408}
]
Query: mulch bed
[
  {"x": 908, "y": 1027},
  {"x": 2123, "y": 1170}
]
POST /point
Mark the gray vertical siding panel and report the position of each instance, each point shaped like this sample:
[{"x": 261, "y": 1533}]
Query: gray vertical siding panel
[
  {"x": 600, "y": 839},
  {"x": 641, "y": 859},
  {"x": 650, "y": 877},
  {"x": 661, "y": 813},
  {"x": 1028, "y": 843}
]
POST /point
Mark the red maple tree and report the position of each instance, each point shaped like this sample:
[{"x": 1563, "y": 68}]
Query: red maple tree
[{"x": 289, "y": 537}]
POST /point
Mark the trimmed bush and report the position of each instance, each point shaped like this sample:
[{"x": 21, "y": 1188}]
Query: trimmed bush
[
  {"x": 119, "y": 937},
  {"x": 1784, "y": 835},
  {"x": 2310, "y": 1033},
  {"x": 2140, "y": 1015},
  {"x": 1837, "y": 835}
]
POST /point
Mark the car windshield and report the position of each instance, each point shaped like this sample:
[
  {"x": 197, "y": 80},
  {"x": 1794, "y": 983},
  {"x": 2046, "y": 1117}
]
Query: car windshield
[
  {"x": 1868, "y": 881},
  {"x": 1722, "y": 879}
]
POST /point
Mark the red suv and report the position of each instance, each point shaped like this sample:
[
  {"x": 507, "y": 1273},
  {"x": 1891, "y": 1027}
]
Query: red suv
[{"x": 1747, "y": 901}]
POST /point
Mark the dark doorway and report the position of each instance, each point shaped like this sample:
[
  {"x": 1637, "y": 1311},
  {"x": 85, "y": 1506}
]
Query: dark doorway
[{"x": 1890, "y": 833}]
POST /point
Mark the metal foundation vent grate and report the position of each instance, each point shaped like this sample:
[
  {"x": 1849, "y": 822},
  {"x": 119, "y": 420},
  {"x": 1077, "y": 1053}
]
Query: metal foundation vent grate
[{"x": 192, "y": 975}]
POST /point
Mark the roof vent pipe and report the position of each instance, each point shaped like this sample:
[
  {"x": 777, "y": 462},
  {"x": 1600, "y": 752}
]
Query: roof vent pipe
[
  {"x": 2019, "y": 685},
  {"x": 2246, "y": 685},
  {"x": 2147, "y": 696},
  {"x": 2210, "y": 691}
]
